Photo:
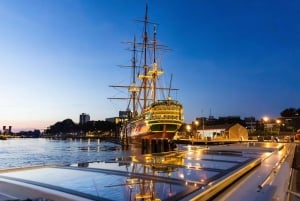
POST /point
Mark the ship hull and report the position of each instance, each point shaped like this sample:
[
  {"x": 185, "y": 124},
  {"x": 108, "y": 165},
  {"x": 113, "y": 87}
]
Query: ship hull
[
  {"x": 160, "y": 120},
  {"x": 135, "y": 131},
  {"x": 137, "y": 139}
]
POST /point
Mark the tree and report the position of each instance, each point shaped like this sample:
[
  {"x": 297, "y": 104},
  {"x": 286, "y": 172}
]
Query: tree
[
  {"x": 290, "y": 112},
  {"x": 293, "y": 117},
  {"x": 66, "y": 126}
]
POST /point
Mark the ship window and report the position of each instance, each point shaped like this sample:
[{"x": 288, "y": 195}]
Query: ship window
[{"x": 147, "y": 116}]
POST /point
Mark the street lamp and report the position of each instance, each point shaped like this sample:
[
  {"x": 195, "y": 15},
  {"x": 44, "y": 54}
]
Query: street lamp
[
  {"x": 265, "y": 120},
  {"x": 188, "y": 128},
  {"x": 278, "y": 121},
  {"x": 196, "y": 122}
]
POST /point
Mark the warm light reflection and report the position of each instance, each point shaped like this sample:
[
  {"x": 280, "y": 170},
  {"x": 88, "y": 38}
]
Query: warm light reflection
[
  {"x": 267, "y": 145},
  {"x": 131, "y": 182},
  {"x": 266, "y": 155}
]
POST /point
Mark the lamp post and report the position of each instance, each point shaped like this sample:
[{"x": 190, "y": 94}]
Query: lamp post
[
  {"x": 265, "y": 120},
  {"x": 202, "y": 126},
  {"x": 278, "y": 121},
  {"x": 196, "y": 123},
  {"x": 188, "y": 129}
]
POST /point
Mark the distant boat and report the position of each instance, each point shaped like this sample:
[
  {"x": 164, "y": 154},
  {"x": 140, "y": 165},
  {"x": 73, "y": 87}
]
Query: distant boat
[{"x": 148, "y": 115}]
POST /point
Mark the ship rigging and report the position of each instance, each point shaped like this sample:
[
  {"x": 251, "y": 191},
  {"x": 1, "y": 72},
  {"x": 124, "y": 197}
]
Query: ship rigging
[{"x": 148, "y": 116}]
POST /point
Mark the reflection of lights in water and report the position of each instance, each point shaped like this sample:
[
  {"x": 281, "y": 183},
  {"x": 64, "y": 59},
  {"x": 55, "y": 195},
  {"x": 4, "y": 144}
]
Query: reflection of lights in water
[
  {"x": 197, "y": 166},
  {"x": 131, "y": 182},
  {"x": 199, "y": 153},
  {"x": 189, "y": 150},
  {"x": 189, "y": 171},
  {"x": 151, "y": 185},
  {"x": 181, "y": 175}
]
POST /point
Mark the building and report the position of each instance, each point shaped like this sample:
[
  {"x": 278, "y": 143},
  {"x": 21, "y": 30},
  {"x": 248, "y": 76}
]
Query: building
[
  {"x": 125, "y": 114},
  {"x": 6, "y": 130},
  {"x": 251, "y": 124},
  {"x": 84, "y": 118},
  {"x": 223, "y": 132}
]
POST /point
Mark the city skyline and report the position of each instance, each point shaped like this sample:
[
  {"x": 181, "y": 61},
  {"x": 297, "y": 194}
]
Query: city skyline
[{"x": 58, "y": 58}]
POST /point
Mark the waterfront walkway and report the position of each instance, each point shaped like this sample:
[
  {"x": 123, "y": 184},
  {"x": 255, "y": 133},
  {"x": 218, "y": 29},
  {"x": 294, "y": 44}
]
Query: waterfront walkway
[{"x": 268, "y": 181}]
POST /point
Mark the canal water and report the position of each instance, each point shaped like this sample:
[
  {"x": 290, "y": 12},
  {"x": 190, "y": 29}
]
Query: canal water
[{"x": 39, "y": 151}]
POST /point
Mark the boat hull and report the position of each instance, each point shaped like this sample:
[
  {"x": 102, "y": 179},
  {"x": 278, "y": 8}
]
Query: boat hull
[
  {"x": 134, "y": 132},
  {"x": 137, "y": 139}
]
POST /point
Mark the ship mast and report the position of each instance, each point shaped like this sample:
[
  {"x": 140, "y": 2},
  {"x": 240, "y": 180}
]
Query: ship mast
[
  {"x": 144, "y": 88},
  {"x": 155, "y": 71},
  {"x": 150, "y": 76},
  {"x": 133, "y": 89},
  {"x": 145, "y": 42}
]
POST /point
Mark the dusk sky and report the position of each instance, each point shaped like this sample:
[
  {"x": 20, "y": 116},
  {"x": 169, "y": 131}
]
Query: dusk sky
[{"x": 58, "y": 57}]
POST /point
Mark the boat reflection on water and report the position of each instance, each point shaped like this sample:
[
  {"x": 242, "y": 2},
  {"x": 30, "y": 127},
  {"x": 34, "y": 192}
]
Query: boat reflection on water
[
  {"x": 170, "y": 175},
  {"x": 174, "y": 175},
  {"x": 153, "y": 167}
]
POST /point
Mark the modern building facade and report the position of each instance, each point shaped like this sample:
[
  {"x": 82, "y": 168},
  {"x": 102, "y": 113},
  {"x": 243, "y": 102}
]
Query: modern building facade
[{"x": 84, "y": 118}]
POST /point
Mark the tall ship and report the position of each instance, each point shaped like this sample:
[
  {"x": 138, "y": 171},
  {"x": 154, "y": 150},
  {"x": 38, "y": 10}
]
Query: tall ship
[{"x": 151, "y": 112}]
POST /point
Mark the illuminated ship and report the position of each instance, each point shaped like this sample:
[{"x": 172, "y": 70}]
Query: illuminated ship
[{"x": 148, "y": 115}]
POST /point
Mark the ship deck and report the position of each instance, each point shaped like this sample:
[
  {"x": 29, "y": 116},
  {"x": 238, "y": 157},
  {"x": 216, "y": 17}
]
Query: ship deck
[{"x": 251, "y": 171}]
